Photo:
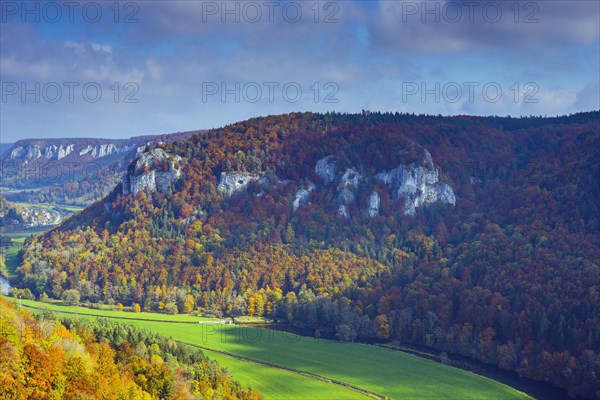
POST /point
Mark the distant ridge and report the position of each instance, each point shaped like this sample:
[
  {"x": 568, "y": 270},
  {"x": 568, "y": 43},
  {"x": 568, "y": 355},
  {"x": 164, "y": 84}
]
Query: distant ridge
[{"x": 71, "y": 170}]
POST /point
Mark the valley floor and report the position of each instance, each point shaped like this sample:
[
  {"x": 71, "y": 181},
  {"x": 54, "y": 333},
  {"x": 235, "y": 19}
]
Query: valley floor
[{"x": 286, "y": 366}]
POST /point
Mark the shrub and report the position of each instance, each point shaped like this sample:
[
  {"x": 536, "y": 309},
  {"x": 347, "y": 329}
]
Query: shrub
[
  {"x": 71, "y": 297},
  {"x": 171, "y": 308}
]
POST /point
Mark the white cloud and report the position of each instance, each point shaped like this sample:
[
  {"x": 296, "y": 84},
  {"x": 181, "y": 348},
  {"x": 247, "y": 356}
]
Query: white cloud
[
  {"x": 588, "y": 98},
  {"x": 15, "y": 69},
  {"x": 101, "y": 47}
]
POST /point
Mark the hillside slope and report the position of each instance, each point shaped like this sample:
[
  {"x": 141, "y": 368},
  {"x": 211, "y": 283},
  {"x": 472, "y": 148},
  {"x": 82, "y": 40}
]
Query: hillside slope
[
  {"x": 476, "y": 236},
  {"x": 46, "y": 359}
]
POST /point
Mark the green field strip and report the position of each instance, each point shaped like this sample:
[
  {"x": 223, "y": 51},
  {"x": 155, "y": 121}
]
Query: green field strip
[
  {"x": 384, "y": 372},
  {"x": 279, "y": 384},
  {"x": 128, "y": 315},
  {"x": 307, "y": 374},
  {"x": 389, "y": 373}
]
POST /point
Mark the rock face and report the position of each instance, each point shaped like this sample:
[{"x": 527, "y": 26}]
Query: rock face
[
  {"x": 231, "y": 182},
  {"x": 415, "y": 184},
  {"x": 155, "y": 170},
  {"x": 326, "y": 169},
  {"x": 57, "y": 152},
  {"x": 29, "y": 152},
  {"x": 63, "y": 152},
  {"x": 373, "y": 205},
  {"x": 103, "y": 150},
  {"x": 348, "y": 184},
  {"x": 301, "y": 196}
]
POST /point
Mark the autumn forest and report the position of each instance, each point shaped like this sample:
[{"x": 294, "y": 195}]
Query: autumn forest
[{"x": 507, "y": 275}]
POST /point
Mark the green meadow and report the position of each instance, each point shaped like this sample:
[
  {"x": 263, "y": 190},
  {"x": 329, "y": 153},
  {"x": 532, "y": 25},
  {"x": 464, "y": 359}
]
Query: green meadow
[
  {"x": 49, "y": 206},
  {"x": 11, "y": 254},
  {"x": 286, "y": 366},
  {"x": 126, "y": 315},
  {"x": 277, "y": 383}
]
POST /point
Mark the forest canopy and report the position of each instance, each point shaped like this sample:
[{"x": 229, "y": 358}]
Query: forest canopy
[{"x": 508, "y": 275}]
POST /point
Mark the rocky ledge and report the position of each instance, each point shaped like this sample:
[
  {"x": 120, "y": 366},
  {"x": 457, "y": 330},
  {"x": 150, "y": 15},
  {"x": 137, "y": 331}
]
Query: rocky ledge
[
  {"x": 154, "y": 170},
  {"x": 415, "y": 184}
]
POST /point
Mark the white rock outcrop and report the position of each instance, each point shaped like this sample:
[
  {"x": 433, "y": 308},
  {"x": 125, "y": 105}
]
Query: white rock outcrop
[
  {"x": 326, "y": 169},
  {"x": 85, "y": 150},
  {"x": 348, "y": 184},
  {"x": 29, "y": 152},
  {"x": 417, "y": 185},
  {"x": 103, "y": 150},
  {"x": 57, "y": 152},
  {"x": 350, "y": 179},
  {"x": 50, "y": 151},
  {"x": 148, "y": 172},
  {"x": 373, "y": 204},
  {"x": 64, "y": 151},
  {"x": 235, "y": 181},
  {"x": 301, "y": 196}
]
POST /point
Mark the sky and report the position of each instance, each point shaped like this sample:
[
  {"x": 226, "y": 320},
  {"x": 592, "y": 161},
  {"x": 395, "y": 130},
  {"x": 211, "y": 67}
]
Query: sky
[{"x": 120, "y": 69}]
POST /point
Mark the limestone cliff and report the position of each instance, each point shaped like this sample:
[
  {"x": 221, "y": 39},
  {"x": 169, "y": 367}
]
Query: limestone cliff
[
  {"x": 235, "y": 181},
  {"x": 415, "y": 184},
  {"x": 155, "y": 171}
]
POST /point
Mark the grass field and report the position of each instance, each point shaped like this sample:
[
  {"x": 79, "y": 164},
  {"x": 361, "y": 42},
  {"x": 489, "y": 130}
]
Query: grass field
[
  {"x": 49, "y": 206},
  {"x": 286, "y": 366},
  {"x": 276, "y": 383},
  {"x": 19, "y": 237},
  {"x": 389, "y": 373},
  {"x": 115, "y": 313},
  {"x": 253, "y": 320},
  {"x": 11, "y": 253},
  {"x": 12, "y": 260}
]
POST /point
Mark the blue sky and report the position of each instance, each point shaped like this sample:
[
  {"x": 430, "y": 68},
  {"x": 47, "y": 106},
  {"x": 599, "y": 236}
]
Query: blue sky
[{"x": 147, "y": 67}]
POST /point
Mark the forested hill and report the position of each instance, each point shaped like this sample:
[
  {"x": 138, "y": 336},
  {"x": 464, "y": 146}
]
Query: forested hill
[{"x": 470, "y": 235}]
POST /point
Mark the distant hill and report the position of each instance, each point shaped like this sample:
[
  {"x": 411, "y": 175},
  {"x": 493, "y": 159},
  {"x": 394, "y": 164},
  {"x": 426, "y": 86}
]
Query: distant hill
[
  {"x": 70, "y": 170},
  {"x": 475, "y": 236}
]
